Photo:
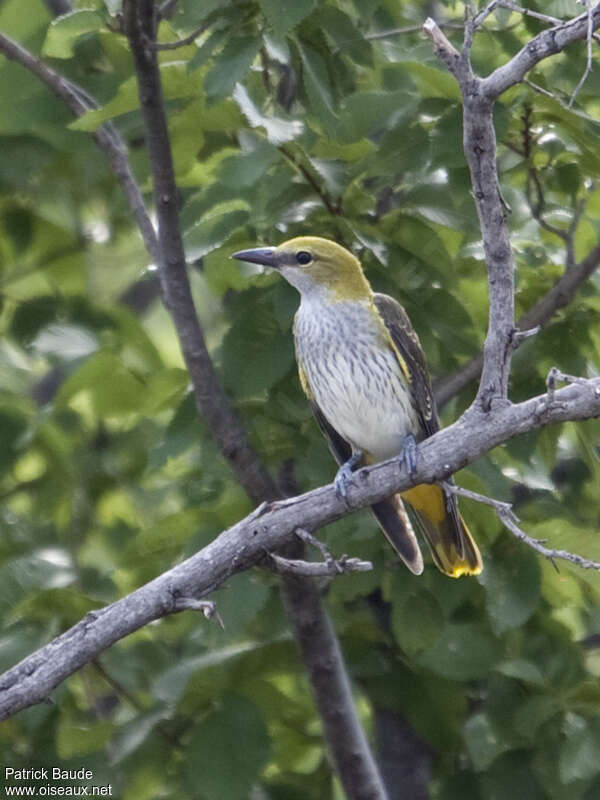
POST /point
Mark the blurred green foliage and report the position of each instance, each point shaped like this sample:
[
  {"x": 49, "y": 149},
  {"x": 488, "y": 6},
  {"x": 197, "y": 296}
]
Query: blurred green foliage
[{"x": 286, "y": 119}]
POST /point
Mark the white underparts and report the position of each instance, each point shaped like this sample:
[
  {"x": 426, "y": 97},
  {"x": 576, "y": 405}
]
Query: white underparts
[{"x": 353, "y": 374}]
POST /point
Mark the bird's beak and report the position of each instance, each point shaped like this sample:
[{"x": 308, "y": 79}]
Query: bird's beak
[{"x": 258, "y": 255}]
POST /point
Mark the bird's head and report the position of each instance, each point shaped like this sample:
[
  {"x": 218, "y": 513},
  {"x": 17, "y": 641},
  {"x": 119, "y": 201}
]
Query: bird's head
[{"x": 314, "y": 265}]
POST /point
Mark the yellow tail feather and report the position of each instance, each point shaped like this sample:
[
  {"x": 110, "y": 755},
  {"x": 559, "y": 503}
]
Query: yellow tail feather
[{"x": 452, "y": 546}]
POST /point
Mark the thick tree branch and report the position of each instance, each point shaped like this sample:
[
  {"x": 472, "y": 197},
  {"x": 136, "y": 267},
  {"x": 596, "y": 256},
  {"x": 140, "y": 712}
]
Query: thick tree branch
[
  {"x": 480, "y": 150},
  {"x": 479, "y": 141},
  {"x": 213, "y": 404},
  {"x": 271, "y": 526},
  {"x": 345, "y": 737},
  {"x": 328, "y": 673}
]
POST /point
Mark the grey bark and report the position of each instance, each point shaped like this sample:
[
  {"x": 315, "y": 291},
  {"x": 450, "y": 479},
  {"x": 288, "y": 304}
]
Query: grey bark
[{"x": 272, "y": 525}]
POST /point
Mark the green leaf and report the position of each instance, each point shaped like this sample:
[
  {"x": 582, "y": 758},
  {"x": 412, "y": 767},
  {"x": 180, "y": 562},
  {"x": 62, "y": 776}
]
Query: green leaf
[
  {"x": 231, "y": 65},
  {"x": 64, "y": 32},
  {"x": 219, "y": 766},
  {"x": 283, "y": 15},
  {"x": 580, "y": 754},
  {"x": 318, "y": 89},
  {"x": 510, "y": 777},
  {"x": 513, "y": 588},
  {"x": 522, "y": 670},
  {"x": 214, "y": 228},
  {"x": 176, "y": 81},
  {"x": 164, "y": 389},
  {"x": 463, "y": 652},
  {"x": 255, "y": 352},
  {"x": 417, "y": 622},
  {"x": 532, "y": 713},
  {"x": 247, "y": 168},
  {"x": 77, "y": 740},
  {"x": 113, "y": 388},
  {"x": 433, "y": 82},
  {"x": 41, "y": 569},
  {"x": 278, "y": 130},
  {"x": 484, "y": 742}
]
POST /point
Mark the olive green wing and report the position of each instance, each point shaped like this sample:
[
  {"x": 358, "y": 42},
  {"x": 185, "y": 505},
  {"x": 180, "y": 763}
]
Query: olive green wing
[
  {"x": 448, "y": 537},
  {"x": 412, "y": 359}
]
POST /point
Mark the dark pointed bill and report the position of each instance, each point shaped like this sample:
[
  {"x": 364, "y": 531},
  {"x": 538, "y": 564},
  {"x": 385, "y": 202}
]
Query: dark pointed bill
[{"x": 258, "y": 255}]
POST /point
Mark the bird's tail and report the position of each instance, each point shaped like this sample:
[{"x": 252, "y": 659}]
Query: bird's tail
[
  {"x": 452, "y": 546},
  {"x": 395, "y": 523}
]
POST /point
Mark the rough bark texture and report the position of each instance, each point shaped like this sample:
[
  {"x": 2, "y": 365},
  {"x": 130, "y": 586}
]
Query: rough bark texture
[
  {"x": 271, "y": 526},
  {"x": 345, "y": 737}
]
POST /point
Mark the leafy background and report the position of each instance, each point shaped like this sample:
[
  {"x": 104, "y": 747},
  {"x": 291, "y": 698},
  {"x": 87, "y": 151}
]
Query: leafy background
[{"x": 285, "y": 119}]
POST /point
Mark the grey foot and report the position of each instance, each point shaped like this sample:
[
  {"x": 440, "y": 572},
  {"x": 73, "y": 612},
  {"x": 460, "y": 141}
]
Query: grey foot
[
  {"x": 408, "y": 454},
  {"x": 343, "y": 479}
]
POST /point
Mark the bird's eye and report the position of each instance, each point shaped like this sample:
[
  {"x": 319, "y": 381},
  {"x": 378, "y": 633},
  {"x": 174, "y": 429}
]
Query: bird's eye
[{"x": 302, "y": 257}]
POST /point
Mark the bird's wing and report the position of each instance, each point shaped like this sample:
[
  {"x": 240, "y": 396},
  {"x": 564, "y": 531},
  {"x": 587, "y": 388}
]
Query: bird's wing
[
  {"x": 450, "y": 541},
  {"x": 408, "y": 348}
]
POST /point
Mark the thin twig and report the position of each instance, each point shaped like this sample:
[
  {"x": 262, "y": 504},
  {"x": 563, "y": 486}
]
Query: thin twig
[
  {"x": 547, "y": 43},
  {"x": 527, "y": 12},
  {"x": 548, "y": 552},
  {"x": 334, "y": 208},
  {"x": 588, "y": 65},
  {"x": 519, "y": 336},
  {"x": 180, "y": 42},
  {"x": 510, "y": 520},
  {"x": 538, "y": 89},
  {"x": 480, "y": 18},
  {"x": 316, "y": 569},
  {"x": 207, "y": 607},
  {"x": 307, "y": 537},
  {"x": 244, "y": 546},
  {"x": 406, "y": 29}
]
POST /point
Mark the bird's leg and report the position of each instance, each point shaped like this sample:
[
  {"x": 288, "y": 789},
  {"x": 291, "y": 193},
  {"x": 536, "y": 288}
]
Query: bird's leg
[
  {"x": 343, "y": 479},
  {"x": 408, "y": 454}
]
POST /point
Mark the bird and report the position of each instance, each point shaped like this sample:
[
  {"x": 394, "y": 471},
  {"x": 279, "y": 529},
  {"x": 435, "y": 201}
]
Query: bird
[{"x": 363, "y": 370}]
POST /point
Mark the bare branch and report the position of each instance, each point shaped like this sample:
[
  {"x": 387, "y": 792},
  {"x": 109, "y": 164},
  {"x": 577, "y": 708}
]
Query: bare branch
[
  {"x": 481, "y": 17},
  {"x": 509, "y": 519},
  {"x": 345, "y": 737},
  {"x": 548, "y": 552},
  {"x": 318, "y": 569},
  {"x": 588, "y": 65},
  {"x": 211, "y": 400},
  {"x": 444, "y": 49},
  {"x": 527, "y": 12},
  {"x": 479, "y": 141},
  {"x": 407, "y": 29},
  {"x": 207, "y": 607},
  {"x": 538, "y": 89},
  {"x": 547, "y": 43},
  {"x": 244, "y": 545}
]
